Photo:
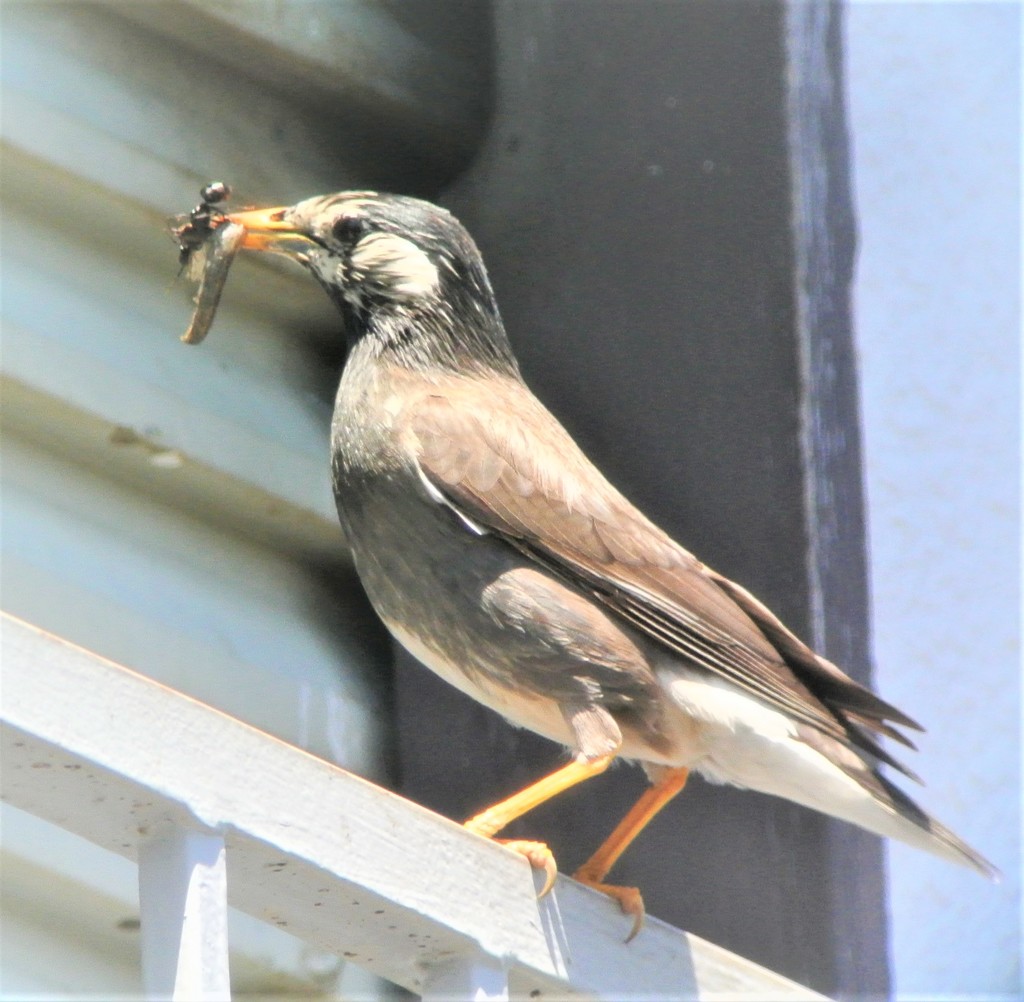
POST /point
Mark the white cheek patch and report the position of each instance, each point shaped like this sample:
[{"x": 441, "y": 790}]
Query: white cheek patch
[{"x": 393, "y": 266}]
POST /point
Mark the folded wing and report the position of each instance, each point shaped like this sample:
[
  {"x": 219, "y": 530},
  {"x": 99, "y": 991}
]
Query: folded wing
[{"x": 522, "y": 477}]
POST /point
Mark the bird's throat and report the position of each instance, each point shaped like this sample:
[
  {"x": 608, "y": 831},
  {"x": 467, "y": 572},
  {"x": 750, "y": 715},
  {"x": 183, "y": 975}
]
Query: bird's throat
[{"x": 429, "y": 339}]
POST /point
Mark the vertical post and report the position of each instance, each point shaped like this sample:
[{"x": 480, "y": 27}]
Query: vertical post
[
  {"x": 183, "y": 899},
  {"x": 824, "y": 244},
  {"x": 476, "y": 977}
]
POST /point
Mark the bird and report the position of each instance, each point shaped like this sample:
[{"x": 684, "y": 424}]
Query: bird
[{"x": 500, "y": 557}]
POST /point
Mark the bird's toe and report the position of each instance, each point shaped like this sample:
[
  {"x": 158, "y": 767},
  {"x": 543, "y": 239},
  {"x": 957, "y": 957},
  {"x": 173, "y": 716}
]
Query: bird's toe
[
  {"x": 539, "y": 856},
  {"x": 629, "y": 898}
]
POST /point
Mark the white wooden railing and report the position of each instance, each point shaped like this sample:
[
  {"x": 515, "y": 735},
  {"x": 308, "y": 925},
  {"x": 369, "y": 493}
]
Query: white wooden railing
[{"x": 214, "y": 810}]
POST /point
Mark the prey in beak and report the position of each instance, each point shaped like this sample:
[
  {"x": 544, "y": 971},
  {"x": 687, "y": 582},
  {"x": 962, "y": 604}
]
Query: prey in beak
[{"x": 208, "y": 240}]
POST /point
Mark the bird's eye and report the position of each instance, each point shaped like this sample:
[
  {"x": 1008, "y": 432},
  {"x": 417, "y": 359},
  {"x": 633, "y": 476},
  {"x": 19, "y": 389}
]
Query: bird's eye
[{"x": 348, "y": 229}]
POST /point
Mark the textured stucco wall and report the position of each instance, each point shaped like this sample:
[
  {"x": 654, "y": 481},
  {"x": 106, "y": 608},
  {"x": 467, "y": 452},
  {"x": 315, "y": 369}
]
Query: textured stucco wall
[{"x": 935, "y": 115}]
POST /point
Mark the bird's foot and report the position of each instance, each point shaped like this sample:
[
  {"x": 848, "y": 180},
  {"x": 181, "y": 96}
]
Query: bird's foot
[
  {"x": 629, "y": 898},
  {"x": 538, "y": 855}
]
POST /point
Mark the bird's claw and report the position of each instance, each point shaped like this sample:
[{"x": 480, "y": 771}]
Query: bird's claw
[
  {"x": 629, "y": 898},
  {"x": 538, "y": 855}
]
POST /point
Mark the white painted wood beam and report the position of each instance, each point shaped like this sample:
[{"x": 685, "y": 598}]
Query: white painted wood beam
[
  {"x": 335, "y": 860},
  {"x": 183, "y": 895},
  {"x": 480, "y": 979}
]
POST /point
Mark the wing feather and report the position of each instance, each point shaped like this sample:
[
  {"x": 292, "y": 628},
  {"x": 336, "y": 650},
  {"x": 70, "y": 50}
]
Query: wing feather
[{"x": 522, "y": 477}]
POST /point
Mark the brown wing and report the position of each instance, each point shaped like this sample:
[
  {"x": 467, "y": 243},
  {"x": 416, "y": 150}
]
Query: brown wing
[{"x": 517, "y": 473}]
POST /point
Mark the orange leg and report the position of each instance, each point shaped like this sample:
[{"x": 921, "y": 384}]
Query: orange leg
[
  {"x": 593, "y": 871},
  {"x": 491, "y": 821}
]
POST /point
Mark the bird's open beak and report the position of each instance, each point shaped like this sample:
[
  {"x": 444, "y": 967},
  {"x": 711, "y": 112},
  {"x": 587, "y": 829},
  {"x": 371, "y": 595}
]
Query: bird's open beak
[{"x": 267, "y": 230}]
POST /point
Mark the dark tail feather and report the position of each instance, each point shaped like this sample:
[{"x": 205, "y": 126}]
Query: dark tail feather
[{"x": 906, "y": 807}]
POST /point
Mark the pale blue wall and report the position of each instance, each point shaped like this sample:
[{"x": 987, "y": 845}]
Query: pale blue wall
[{"x": 935, "y": 115}]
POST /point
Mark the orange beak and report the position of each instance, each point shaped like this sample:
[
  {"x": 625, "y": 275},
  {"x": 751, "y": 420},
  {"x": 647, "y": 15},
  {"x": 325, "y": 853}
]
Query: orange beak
[{"x": 266, "y": 230}]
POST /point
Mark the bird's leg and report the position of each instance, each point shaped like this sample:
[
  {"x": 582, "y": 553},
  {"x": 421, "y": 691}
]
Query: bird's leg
[
  {"x": 593, "y": 871},
  {"x": 491, "y": 821},
  {"x": 498, "y": 816},
  {"x": 638, "y": 817}
]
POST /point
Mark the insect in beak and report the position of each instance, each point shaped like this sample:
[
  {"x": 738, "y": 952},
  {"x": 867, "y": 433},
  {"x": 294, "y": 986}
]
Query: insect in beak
[{"x": 209, "y": 239}]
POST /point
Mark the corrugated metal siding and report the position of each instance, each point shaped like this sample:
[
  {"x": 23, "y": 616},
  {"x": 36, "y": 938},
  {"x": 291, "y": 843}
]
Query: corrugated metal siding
[{"x": 169, "y": 507}]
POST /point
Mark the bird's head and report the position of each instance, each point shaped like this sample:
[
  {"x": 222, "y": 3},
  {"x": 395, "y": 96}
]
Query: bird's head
[{"x": 404, "y": 273}]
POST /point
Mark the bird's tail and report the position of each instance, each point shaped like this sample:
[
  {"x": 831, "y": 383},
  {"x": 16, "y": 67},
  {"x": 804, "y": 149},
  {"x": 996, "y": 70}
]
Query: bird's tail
[
  {"x": 909, "y": 823},
  {"x": 819, "y": 772}
]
